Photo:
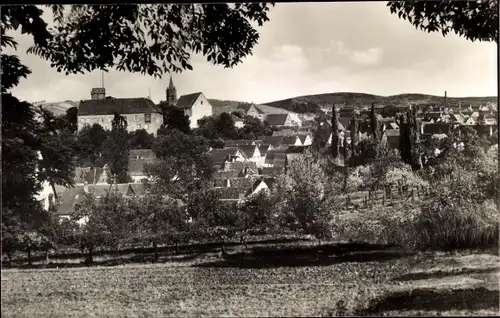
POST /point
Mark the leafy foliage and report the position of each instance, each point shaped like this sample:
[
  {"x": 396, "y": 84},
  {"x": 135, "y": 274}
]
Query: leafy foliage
[
  {"x": 182, "y": 164},
  {"x": 140, "y": 139},
  {"x": 306, "y": 197},
  {"x": 474, "y": 20},
  {"x": 57, "y": 150},
  {"x": 164, "y": 34},
  {"x": 116, "y": 151},
  {"x": 174, "y": 118},
  {"x": 90, "y": 146}
]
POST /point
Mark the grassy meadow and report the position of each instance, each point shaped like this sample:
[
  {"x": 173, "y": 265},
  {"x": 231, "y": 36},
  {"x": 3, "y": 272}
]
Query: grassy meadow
[{"x": 318, "y": 280}]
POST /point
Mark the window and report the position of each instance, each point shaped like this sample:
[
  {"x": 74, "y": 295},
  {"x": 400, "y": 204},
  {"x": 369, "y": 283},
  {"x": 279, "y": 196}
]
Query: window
[
  {"x": 102, "y": 119},
  {"x": 201, "y": 102},
  {"x": 147, "y": 118},
  {"x": 136, "y": 117},
  {"x": 138, "y": 126},
  {"x": 146, "y": 126}
]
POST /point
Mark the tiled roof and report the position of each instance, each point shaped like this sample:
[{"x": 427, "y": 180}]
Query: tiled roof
[
  {"x": 245, "y": 108},
  {"x": 187, "y": 101},
  {"x": 248, "y": 150},
  {"x": 272, "y": 140},
  {"x": 276, "y": 119},
  {"x": 240, "y": 167},
  {"x": 219, "y": 156},
  {"x": 437, "y": 128},
  {"x": 393, "y": 125},
  {"x": 138, "y": 188},
  {"x": 268, "y": 181},
  {"x": 69, "y": 198},
  {"x": 141, "y": 154},
  {"x": 110, "y": 106},
  {"x": 284, "y": 132},
  {"x": 234, "y": 143},
  {"x": 226, "y": 174},
  {"x": 303, "y": 137},
  {"x": 279, "y": 159},
  {"x": 271, "y": 110},
  {"x": 136, "y": 166},
  {"x": 297, "y": 149},
  {"x": 272, "y": 171},
  {"x": 243, "y": 184},
  {"x": 289, "y": 140},
  {"x": 90, "y": 175},
  {"x": 263, "y": 148}
]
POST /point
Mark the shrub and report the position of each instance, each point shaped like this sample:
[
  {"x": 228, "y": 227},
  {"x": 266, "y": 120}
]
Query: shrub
[{"x": 442, "y": 225}]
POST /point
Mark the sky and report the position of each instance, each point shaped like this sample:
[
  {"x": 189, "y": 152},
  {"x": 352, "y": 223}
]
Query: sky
[{"x": 305, "y": 49}]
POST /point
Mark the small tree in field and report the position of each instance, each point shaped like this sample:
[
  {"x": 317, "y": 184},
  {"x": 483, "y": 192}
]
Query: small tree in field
[
  {"x": 256, "y": 215},
  {"x": 213, "y": 218},
  {"x": 105, "y": 222},
  {"x": 158, "y": 218},
  {"x": 305, "y": 204}
]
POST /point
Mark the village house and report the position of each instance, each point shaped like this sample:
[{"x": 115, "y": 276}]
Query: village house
[
  {"x": 137, "y": 159},
  {"x": 281, "y": 120},
  {"x": 262, "y": 184},
  {"x": 238, "y": 169},
  {"x": 291, "y": 141},
  {"x": 140, "y": 113},
  {"x": 252, "y": 153},
  {"x": 263, "y": 149},
  {"x": 230, "y": 154},
  {"x": 195, "y": 105},
  {"x": 305, "y": 139},
  {"x": 240, "y": 142},
  {"x": 252, "y": 110},
  {"x": 70, "y": 197},
  {"x": 238, "y": 121}
]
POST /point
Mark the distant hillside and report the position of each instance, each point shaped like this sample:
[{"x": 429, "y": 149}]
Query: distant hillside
[
  {"x": 312, "y": 103},
  {"x": 223, "y": 103}
]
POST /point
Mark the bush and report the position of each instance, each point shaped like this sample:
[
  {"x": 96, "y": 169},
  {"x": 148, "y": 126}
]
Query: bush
[{"x": 445, "y": 226}]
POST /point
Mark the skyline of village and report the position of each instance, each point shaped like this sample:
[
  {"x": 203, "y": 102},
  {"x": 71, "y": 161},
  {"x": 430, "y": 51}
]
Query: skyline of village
[{"x": 345, "y": 54}]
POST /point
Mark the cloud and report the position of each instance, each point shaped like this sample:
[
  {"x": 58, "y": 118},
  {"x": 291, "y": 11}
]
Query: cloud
[{"x": 371, "y": 56}]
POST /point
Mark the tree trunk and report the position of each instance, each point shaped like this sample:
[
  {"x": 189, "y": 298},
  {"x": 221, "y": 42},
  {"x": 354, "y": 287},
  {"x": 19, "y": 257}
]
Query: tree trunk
[
  {"x": 223, "y": 250},
  {"x": 52, "y": 185},
  {"x": 90, "y": 256},
  {"x": 47, "y": 256},
  {"x": 177, "y": 250},
  {"x": 155, "y": 247},
  {"x": 29, "y": 256}
]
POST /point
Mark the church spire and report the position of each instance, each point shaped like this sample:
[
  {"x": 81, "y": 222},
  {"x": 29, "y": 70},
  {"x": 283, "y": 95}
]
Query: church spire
[{"x": 171, "y": 92}]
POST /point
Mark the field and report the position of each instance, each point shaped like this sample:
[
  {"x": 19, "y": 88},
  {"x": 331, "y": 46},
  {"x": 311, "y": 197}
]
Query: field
[{"x": 312, "y": 282}]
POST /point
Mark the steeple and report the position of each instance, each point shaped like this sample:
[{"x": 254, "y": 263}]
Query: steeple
[{"x": 171, "y": 93}]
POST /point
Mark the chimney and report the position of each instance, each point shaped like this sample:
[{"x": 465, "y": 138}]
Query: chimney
[
  {"x": 98, "y": 93},
  {"x": 445, "y": 97}
]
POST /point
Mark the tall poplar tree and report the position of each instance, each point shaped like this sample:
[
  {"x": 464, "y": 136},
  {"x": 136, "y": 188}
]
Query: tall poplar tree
[
  {"x": 116, "y": 151},
  {"x": 335, "y": 133}
]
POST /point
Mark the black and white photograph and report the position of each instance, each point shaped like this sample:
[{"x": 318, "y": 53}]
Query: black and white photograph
[{"x": 250, "y": 159}]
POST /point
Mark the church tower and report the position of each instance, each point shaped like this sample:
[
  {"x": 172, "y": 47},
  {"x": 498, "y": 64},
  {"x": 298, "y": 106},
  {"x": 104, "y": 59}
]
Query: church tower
[{"x": 171, "y": 93}]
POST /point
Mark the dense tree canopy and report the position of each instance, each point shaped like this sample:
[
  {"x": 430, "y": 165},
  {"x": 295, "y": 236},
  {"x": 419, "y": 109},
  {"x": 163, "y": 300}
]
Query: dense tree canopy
[
  {"x": 474, "y": 20},
  {"x": 151, "y": 39}
]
